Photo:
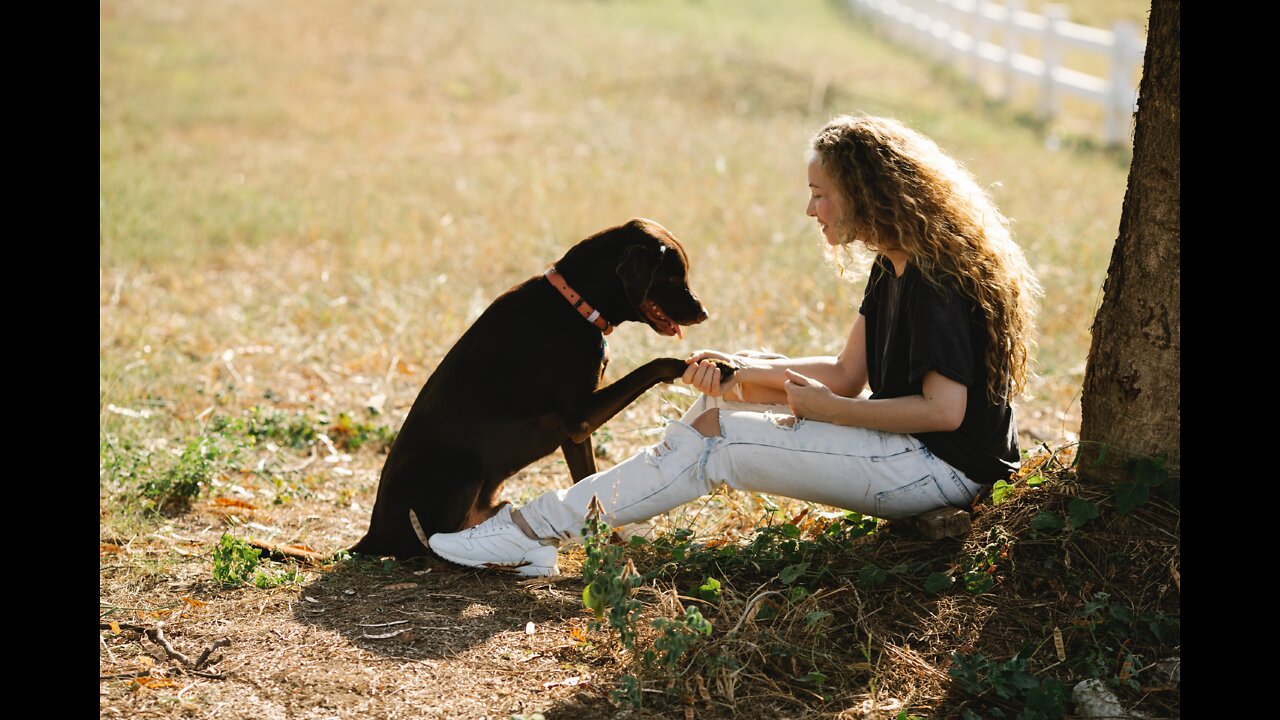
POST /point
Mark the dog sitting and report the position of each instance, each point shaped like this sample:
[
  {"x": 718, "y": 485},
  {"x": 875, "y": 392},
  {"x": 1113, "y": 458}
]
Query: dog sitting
[{"x": 524, "y": 379}]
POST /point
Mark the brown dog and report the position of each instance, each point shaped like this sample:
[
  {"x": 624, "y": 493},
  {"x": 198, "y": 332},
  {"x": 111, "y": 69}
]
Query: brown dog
[{"x": 524, "y": 380}]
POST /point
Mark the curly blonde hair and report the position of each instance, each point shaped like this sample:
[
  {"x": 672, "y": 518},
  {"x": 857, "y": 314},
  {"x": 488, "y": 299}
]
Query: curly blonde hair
[{"x": 899, "y": 191}]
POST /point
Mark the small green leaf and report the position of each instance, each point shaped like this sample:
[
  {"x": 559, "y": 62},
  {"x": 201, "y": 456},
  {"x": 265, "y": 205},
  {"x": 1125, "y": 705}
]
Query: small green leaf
[
  {"x": 872, "y": 575},
  {"x": 637, "y": 541},
  {"x": 790, "y": 530},
  {"x": 790, "y": 573},
  {"x": 1047, "y": 521},
  {"x": 709, "y": 590},
  {"x": 1000, "y": 492},
  {"x": 1081, "y": 511},
  {"x": 1150, "y": 472},
  {"x": 1035, "y": 481},
  {"x": 816, "y": 617},
  {"x": 939, "y": 581},
  {"x": 1129, "y": 496},
  {"x": 1121, "y": 613}
]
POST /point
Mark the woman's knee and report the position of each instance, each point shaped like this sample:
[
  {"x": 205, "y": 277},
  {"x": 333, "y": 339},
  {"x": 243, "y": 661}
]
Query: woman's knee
[{"x": 708, "y": 423}]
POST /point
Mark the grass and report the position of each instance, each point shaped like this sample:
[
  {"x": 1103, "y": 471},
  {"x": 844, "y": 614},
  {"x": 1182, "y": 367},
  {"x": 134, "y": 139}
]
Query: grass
[{"x": 303, "y": 205}]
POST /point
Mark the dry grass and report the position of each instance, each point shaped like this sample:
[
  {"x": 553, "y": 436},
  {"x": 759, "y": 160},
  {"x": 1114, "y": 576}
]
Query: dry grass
[{"x": 303, "y": 204}]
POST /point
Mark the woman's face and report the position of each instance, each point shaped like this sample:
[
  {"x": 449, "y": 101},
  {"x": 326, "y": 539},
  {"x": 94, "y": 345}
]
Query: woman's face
[{"x": 824, "y": 204}]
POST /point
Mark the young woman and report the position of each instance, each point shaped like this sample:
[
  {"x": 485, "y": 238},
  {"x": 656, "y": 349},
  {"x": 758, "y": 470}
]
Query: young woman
[{"x": 942, "y": 339}]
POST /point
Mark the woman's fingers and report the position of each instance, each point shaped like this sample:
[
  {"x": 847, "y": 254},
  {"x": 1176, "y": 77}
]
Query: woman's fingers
[{"x": 704, "y": 376}]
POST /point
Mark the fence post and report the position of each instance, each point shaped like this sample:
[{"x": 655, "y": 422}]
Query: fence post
[
  {"x": 1051, "y": 52},
  {"x": 1120, "y": 107},
  {"x": 1012, "y": 45}
]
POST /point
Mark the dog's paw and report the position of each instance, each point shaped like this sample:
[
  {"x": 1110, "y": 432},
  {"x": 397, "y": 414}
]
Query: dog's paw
[{"x": 726, "y": 370}]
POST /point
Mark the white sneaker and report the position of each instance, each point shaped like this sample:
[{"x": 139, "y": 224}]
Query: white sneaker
[{"x": 497, "y": 543}]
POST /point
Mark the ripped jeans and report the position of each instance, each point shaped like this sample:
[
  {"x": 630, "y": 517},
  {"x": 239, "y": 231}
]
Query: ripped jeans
[{"x": 762, "y": 448}]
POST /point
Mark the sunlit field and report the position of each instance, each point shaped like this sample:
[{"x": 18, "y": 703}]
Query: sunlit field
[
  {"x": 313, "y": 200},
  {"x": 304, "y": 203}
]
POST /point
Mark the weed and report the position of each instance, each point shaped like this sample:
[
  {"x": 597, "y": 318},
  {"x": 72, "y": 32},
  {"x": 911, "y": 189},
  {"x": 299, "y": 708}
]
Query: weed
[
  {"x": 676, "y": 637},
  {"x": 234, "y": 560},
  {"x": 1012, "y": 682},
  {"x": 174, "y": 488},
  {"x": 352, "y": 435}
]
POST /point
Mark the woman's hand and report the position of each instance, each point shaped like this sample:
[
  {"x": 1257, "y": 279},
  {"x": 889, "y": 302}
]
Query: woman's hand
[
  {"x": 809, "y": 398},
  {"x": 703, "y": 374}
]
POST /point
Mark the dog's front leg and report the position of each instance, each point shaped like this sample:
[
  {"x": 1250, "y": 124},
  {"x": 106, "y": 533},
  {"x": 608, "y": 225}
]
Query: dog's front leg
[
  {"x": 579, "y": 457},
  {"x": 608, "y": 401}
]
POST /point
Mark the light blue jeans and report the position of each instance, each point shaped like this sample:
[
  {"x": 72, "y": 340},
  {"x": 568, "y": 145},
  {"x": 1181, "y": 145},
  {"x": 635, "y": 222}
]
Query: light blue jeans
[{"x": 761, "y": 448}]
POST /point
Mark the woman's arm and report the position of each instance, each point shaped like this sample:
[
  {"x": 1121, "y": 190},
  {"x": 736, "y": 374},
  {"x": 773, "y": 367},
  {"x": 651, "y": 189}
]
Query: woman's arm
[
  {"x": 939, "y": 408},
  {"x": 764, "y": 380}
]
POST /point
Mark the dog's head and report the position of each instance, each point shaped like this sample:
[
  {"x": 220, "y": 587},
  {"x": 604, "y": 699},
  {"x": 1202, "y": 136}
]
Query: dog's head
[{"x": 652, "y": 276}]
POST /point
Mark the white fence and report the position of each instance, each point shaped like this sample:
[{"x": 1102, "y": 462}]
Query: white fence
[{"x": 957, "y": 32}]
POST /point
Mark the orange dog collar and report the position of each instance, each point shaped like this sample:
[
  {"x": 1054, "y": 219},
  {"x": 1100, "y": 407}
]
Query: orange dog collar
[{"x": 578, "y": 302}]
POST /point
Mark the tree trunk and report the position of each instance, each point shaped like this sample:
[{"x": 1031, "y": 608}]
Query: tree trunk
[{"x": 1131, "y": 405}]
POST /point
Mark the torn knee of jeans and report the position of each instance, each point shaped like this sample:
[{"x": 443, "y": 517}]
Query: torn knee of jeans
[
  {"x": 709, "y": 418},
  {"x": 786, "y": 422}
]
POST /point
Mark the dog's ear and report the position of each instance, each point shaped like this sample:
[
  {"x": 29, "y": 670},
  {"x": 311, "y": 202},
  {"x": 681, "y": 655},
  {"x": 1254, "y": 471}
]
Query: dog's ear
[{"x": 638, "y": 265}]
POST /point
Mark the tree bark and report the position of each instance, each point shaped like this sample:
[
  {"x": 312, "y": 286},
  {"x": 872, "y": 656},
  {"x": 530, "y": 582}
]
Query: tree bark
[{"x": 1131, "y": 404}]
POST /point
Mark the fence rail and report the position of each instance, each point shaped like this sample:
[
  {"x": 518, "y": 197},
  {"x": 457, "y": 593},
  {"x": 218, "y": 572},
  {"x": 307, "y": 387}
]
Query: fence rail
[{"x": 958, "y": 31}]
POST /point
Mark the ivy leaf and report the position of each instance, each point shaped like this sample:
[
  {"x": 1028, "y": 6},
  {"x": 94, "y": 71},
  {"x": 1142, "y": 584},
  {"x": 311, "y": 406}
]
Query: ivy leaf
[
  {"x": 1047, "y": 520},
  {"x": 790, "y": 573},
  {"x": 1081, "y": 512},
  {"x": 815, "y": 617},
  {"x": 872, "y": 575},
  {"x": 1150, "y": 472},
  {"x": 1129, "y": 496},
  {"x": 710, "y": 590},
  {"x": 937, "y": 582},
  {"x": 1000, "y": 492}
]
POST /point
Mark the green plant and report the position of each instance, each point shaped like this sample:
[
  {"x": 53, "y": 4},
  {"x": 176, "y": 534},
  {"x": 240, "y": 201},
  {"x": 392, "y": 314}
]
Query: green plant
[
  {"x": 676, "y": 637},
  {"x": 1011, "y": 681},
  {"x": 234, "y": 560},
  {"x": 611, "y": 580},
  {"x": 1116, "y": 636},
  {"x": 351, "y": 434},
  {"x": 1148, "y": 474},
  {"x": 175, "y": 486}
]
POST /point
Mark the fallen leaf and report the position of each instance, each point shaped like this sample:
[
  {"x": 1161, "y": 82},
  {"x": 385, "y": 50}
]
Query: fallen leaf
[
  {"x": 153, "y": 682},
  {"x": 578, "y": 634},
  {"x": 193, "y": 602},
  {"x": 702, "y": 688},
  {"x": 111, "y": 547},
  {"x": 115, "y": 628},
  {"x": 310, "y": 599},
  {"x": 233, "y": 502},
  {"x": 400, "y": 586},
  {"x": 144, "y": 661}
]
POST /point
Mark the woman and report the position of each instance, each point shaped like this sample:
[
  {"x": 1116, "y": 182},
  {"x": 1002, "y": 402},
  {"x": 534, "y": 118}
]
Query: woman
[{"x": 942, "y": 339}]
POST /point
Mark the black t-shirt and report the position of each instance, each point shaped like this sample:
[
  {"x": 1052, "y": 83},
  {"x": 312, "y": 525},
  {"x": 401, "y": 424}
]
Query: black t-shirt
[{"x": 912, "y": 328}]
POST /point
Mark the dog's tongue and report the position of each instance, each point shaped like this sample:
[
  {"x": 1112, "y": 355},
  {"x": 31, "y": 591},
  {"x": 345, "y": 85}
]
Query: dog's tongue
[{"x": 660, "y": 321}]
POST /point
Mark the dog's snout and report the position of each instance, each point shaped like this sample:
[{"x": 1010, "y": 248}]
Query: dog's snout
[{"x": 701, "y": 316}]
